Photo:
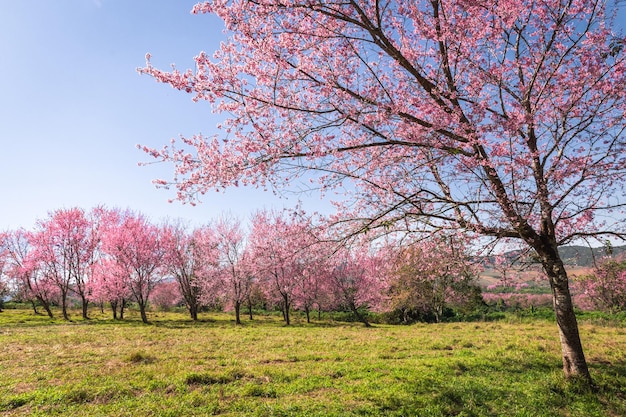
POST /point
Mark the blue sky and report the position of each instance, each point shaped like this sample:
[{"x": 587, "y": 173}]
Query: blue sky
[{"x": 73, "y": 108}]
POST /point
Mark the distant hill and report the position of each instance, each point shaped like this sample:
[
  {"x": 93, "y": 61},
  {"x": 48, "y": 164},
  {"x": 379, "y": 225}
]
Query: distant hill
[
  {"x": 576, "y": 258},
  {"x": 573, "y": 256},
  {"x": 584, "y": 256}
]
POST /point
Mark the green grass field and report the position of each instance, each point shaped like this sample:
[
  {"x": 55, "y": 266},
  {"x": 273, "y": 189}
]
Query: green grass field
[{"x": 174, "y": 367}]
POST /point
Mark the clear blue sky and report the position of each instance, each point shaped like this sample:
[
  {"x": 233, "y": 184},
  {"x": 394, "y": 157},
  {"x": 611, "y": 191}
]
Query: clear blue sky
[{"x": 73, "y": 108}]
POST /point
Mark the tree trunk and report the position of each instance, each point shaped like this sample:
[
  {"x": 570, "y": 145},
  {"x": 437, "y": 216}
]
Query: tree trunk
[
  {"x": 142, "y": 310},
  {"x": 250, "y": 310},
  {"x": 439, "y": 309},
  {"x": 64, "y": 306},
  {"x": 193, "y": 311},
  {"x": 308, "y": 314},
  {"x": 32, "y": 302},
  {"x": 122, "y": 307},
  {"x": 237, "y": 312},
  {"x": 85, "y": 307},
  {"x": 359, "y": 316},
  {"x": 286, "y": 309},
  {"x": 46, "y": 306},
  {"x": 574, "y": 363}
]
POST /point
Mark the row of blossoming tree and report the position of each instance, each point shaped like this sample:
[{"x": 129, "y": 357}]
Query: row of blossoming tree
[
  {"x": 95, "y": 255},
  {"x": 112, "y": 256}
]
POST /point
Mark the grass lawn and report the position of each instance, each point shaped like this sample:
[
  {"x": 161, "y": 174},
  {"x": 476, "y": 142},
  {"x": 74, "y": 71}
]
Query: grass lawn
[{"x": 174, "y": 367}]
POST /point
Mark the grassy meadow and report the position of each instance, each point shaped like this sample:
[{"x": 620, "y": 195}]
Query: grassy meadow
[{"x": 175, "y": 367}]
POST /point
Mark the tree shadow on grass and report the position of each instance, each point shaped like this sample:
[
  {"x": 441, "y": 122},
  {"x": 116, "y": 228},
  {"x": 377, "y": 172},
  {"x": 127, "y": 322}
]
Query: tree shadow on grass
[
  {"x": 258, "y": 322},
  {"x": 606, "y": 367},
  {"x": 610, "y": 380},
  {"x": 531, "y": 386}
]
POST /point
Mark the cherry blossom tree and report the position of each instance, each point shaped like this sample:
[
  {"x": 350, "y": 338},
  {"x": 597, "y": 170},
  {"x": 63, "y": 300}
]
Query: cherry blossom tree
[
  {"x": 166, "y": 295},
  {"x": 233, "y": 277},
  {"x": 312, "y": 286},
  {"x": 136, "y": 246},
  {"x": 280, "y": 247},
  {"x": 312, "y": 289},
  {"x": 53, "y": 252},
  {"x": 65, "y": 245},
  {"x": 606, "y": 285},
  {"x": 4, "y": 285},
  {"x": 356, "y": 278},
  {"x": 504, "y": 119},
  {"x": 191, "y": 260},
  {"x": 23, "y": 266},
  {"x": 109, "y": 285}
]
